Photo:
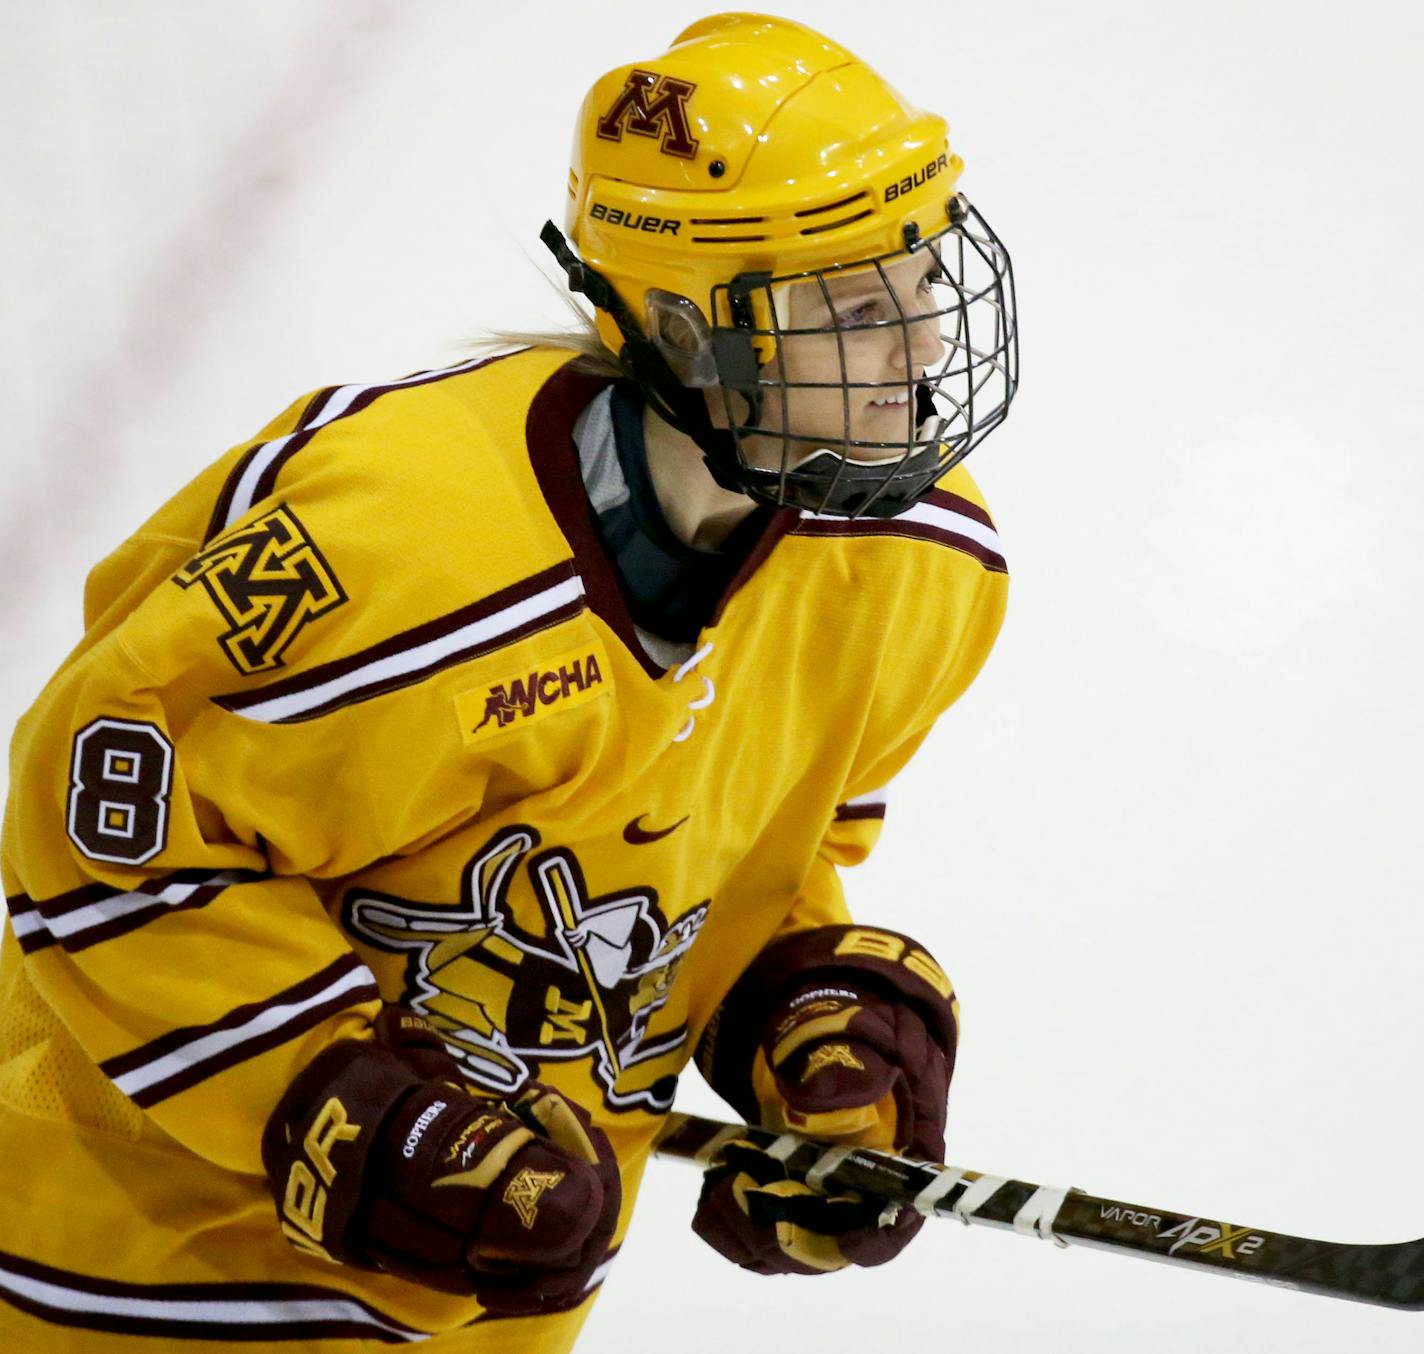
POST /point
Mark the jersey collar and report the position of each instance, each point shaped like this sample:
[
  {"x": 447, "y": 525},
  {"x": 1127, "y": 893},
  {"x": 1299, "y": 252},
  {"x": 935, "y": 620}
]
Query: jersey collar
[{"x": 553, "y": 455}]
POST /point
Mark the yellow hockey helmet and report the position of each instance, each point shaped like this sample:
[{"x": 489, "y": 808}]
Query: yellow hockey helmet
[{"x": 753, "y": 154}]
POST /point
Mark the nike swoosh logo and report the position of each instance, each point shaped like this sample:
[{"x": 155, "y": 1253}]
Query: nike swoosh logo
[{"x": 641, "y": 836}]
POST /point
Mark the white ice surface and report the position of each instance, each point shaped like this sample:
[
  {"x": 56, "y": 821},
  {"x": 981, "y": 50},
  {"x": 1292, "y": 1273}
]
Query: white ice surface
[{"x": 1168, "y": 846}]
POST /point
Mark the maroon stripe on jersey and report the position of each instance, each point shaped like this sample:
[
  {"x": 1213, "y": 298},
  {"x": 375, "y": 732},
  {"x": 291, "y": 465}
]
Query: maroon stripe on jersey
[
  {"x": 217, "y": 523},
  {"x": 413, "y": 638},
  {"x": 140, "y": 917},
  {"x": 72, "y": 901},
  {"x": 39, "y": 938},
  {"x": 303, "y": 433},
  {"x": 176, "y": 1039},
  {"x": 846, "y": 813},
  {"x": 29, "y": 936},
  {"x": 75, "y": 900},
  {"x": 20, "y": 905},
  {"x": 213, "y": 1300},
  {"x": 63, "y": 902},
  {"x": 942, "y": 498},
  {"x": 895, "y": 526},
  {"x": 245, "y": 1049},
  {"x": 133, "y": 921}
]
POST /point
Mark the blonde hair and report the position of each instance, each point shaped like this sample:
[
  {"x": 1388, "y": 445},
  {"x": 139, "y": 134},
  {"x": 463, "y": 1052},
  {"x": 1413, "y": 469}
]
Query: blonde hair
[{"x": 583, "y": 338}]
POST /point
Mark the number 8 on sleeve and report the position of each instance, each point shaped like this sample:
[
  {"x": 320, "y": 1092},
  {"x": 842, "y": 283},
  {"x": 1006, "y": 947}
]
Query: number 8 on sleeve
[{"x": 118, "y": 800}]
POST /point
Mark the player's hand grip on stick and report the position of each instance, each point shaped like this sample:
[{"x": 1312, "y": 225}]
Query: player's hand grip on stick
[
  {"x": 859, "y": 1050},
  {"x": 378, "y": 1156}
]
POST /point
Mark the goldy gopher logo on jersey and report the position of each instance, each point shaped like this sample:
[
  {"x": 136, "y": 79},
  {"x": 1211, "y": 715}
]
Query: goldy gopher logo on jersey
[
  {"x": 507, "y": 998},
  {"x": 268, "y": 580}
]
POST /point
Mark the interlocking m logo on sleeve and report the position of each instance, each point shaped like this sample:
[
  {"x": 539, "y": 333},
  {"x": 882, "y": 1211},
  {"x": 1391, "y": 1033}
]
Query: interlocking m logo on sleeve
[
  {"x": 268, "y": 580},
  {"x": 650, "y": 104}
]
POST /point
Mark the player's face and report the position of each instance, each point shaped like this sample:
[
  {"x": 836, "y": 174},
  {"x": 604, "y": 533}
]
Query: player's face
[{"x": 873, "y": 401}]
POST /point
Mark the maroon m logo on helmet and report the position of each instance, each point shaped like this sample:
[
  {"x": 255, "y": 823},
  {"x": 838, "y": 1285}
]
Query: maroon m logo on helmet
[{"x": 652, "y": 105}]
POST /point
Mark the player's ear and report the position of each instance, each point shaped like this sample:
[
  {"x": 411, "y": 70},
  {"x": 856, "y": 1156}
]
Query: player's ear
[{"x": 680, "y": 332}]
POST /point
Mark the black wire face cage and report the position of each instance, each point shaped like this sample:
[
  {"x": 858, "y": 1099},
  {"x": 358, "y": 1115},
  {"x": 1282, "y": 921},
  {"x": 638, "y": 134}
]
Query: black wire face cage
[{"x": 904, "y": 409}]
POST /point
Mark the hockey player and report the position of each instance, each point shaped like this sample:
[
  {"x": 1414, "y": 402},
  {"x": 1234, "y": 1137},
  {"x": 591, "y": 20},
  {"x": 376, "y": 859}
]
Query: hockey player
[{"x": 444, "y": 768}]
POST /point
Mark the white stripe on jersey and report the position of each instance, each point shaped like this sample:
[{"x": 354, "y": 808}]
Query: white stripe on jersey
[
  {"x": 106, "y": 909},
  {"x": 599, "y": 1274},
  {"x": 208, "y": 1311},
  {"x": 931, "y": 515},
  {"x": 26, "y": 924},
  {"x": 412, "y": 660},
  {"x": 247, "y": 485},
  {"x": 337, "y": 403},
  {"x": 209, "y": 1046}
]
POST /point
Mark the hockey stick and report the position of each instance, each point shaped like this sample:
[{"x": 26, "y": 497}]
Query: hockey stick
[{"x": 1390, "y": 1275}]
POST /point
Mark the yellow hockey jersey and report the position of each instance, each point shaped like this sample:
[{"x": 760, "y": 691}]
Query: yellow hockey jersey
[{"x": 360, "y": 715}]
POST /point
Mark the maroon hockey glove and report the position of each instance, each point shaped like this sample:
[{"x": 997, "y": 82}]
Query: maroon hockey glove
[
  {"x": 848, "y": 1064},
  {"x": 379, "y": 1156},
  {"x": 753, "y": 1213},
  {"x": 857, "y": 1036}
]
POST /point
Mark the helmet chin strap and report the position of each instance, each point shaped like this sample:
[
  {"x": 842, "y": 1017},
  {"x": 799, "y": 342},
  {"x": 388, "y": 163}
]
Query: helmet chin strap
[{"x": 684, "y": 409}]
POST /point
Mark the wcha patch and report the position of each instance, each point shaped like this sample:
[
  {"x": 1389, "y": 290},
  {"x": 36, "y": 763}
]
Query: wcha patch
[
  {"x": 522, "y": 698},
  {"x": 269, "y": 581}
]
